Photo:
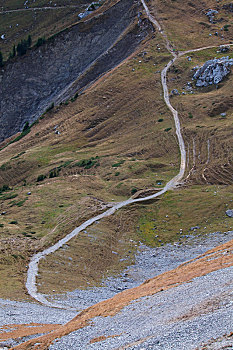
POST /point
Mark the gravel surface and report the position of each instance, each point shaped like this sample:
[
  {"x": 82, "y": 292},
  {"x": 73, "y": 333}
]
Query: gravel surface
[
  {"x": 15, "y": 312},
  {"x": 181, "y": 318},
  {"x": 149, "y": 263},
  {"x": 225, "y": 342},
  {"x": 138, "y": 320}
]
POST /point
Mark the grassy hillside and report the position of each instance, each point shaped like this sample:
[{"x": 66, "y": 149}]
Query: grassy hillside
[
  {"x": 187, "y": 24},
  {"x": 115, "y": 138},
  {"x": 40, "y": 18}
]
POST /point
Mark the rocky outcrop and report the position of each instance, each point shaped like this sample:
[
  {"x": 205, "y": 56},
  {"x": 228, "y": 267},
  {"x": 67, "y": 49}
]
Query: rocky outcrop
[
  {"x": 213, "y": 71},
  {"x": 224, "y": 48},
  {"x": 64, "y": 64},
  {"x": 211, "y": 14}
]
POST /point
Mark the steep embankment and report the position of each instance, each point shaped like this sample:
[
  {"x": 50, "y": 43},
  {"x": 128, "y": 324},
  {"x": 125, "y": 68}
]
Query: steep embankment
[{"x": 45, "y": 75}]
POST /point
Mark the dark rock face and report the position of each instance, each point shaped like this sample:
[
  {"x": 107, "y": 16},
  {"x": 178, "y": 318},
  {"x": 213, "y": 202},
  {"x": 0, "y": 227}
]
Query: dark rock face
[{"x": 64, "y": 64}]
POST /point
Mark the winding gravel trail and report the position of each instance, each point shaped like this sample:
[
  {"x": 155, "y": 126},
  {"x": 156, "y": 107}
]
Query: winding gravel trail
[{"x": 33, "y": 265}]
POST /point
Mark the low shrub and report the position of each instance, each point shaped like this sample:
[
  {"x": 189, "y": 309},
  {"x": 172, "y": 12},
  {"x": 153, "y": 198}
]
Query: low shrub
[
  {"x": 116, "y": 165},
  {"x": 134, "y": 190},
  {"x": 40, "y": 42},
  {"x": 4, "y": 188},
  {"x": 13, "y": 222},
  {"x": 88, "y": 163},
  {"x": 40, "y": 178}
]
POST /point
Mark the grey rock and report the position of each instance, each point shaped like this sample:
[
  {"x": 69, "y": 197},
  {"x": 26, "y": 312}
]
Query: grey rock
[
  {"x": 195, "y": 228},
  {"x": 224, "y": 48},
  {"x": 175, "y": 92},
  {"x": 211, "y": 14},
  {"x": 229, "y": 213},
  {"x": 213, "y": 71}
]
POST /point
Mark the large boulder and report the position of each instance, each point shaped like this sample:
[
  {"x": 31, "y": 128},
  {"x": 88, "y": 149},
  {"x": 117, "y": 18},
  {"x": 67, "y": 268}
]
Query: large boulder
[
  {"x": 229, "y": 213},
  {"x": 213, "y": 71}
]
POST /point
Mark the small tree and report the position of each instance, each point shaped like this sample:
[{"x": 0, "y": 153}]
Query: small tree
[
  {"x": 40, "y": 42},
  {"x": 1, "y": 60},
  {"x": 22, "y": 47},
  {"x": 13, "y": 53},
  {"x": 26, "y": 126},
  {"x": 29, "y": 40}
]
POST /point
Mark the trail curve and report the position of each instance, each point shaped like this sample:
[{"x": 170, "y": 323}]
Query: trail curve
[{"x": 34, "y": 262}]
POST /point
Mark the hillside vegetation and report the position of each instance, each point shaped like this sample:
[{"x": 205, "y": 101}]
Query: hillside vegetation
[
  {"x": 39, "y": 18},
  {"x": 112, "y": 139}
]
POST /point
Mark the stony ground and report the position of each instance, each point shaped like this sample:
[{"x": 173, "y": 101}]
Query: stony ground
[
  {"x": 149, "y": 262},
  {"x": 202, "y": 311}
]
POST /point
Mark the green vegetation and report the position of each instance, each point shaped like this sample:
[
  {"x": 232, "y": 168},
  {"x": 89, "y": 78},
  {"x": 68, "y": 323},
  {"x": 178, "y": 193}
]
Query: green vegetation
[
  {"x": 225, "y": 28},
  {"x": 8, "y": 196},
  {"x": 13, "y": 53},
  {"x": 116, "y": 165},
  {"x": 134, "y": 190},
  {"x": 50, "y": 107},
  {"x": 4, "y": 188},
  {"x": 88, "y": 163},
  {"x": 23, "y": 46},
  {"x": 40, "y": 178},
  {"x": 74, "y": 97},
  {"x": 55, "y": 172},
  {"x": 18, "y": 204},
  {"x": 160, "y": 120},
  {"x": 18, "y": 155},
  {"x": 26, "y": 130},
  {"x": 1, "y": 59},
  {"x": 25, "y": 234},
  {"x": 190, "y": 115},
  {"x": 13, "y": 222},
  {"x": 5, "y": 166},
  {"x": 40, "y": 42}
]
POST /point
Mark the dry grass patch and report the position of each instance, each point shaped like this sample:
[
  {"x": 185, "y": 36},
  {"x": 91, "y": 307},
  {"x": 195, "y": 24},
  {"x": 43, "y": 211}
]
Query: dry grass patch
[
  {"x": 186, "y": 24},
  {"x": 208, "y": 135}
]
